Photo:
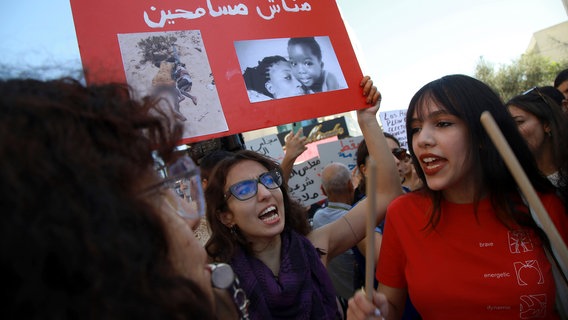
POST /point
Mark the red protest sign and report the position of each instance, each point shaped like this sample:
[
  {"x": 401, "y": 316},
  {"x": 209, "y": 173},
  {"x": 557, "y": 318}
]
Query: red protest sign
[{"x": 197, "y": 53}]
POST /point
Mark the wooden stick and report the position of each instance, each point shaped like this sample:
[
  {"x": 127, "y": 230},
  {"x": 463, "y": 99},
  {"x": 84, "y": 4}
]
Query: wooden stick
[
  {"x": 539, "y": 214},
  {"x": 371, "y": 224}
]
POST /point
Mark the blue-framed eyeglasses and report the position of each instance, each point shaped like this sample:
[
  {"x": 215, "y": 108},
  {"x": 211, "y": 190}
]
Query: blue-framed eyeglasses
[
  {"x": 185, "y": 180},
  {"x": 246, "y": 189}
]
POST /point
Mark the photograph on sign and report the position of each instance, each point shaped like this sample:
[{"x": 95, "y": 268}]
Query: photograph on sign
[
  {"x": 215, "y": 42},
  {"x": 288, "y": 67},
  {"x": 174, "y": 66}
]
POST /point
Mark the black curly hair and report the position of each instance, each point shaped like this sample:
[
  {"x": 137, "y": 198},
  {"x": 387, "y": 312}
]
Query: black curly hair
[{"x": 77, "y": 239}]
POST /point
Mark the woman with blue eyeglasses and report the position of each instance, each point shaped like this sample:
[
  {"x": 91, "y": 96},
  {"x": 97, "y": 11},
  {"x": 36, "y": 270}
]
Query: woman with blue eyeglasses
[{"x": 264, "y": 234}]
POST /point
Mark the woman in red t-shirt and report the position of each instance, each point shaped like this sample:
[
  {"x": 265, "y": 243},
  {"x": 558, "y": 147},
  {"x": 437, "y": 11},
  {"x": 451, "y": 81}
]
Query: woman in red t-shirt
[{"x": 464, "y": 246}]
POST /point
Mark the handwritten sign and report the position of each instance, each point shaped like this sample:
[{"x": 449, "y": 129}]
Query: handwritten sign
[
  {"x": 305, "y": 182},
  {"x": 343, "y": 151},
  {"x": 268, "y": 145},
  {"x": 394, "y": 122},
  {"x": 143, "y": 42}
]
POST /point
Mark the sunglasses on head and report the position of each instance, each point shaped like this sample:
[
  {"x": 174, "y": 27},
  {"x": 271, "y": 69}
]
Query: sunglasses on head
[
  {"x": 400, "y": 153},
  {"x": 537, "y": 90},
  {"x": 246, "y": 189}
]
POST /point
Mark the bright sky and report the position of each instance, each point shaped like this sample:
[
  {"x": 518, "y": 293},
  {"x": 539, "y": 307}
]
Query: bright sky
[{"x": 404, "y": 43}]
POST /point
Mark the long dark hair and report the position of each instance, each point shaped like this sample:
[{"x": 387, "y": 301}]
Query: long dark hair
[
  {"x": 77, "y": 239},
  {"x": 548, "y": 111},
  {"x": 221, "y": 244},
  {"x": 466, "y": 98}
]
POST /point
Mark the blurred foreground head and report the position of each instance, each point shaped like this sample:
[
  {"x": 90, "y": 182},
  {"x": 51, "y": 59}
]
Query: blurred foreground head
[{"x": 78, "y": 240}]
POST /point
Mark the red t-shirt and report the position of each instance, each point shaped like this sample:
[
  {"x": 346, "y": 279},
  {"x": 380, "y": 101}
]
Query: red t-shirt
[{"x": 470, "y": 266}]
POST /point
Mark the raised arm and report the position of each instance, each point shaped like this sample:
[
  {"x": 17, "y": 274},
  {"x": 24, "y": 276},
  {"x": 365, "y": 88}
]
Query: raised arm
[
  {"x": 346, "y": 232},
  {"x": 295, "y": 146}
]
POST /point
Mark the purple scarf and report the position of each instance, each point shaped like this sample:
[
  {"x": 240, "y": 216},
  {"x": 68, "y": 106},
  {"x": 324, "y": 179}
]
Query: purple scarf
[{"x": 303, "y": 289}]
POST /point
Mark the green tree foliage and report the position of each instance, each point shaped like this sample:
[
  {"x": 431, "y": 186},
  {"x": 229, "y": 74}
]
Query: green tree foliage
[{"x": 524, "y": 73}]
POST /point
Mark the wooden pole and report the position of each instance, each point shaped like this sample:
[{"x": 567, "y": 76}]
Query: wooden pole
[
  {"x": 371, "y": 224},
  {"x": 538, "y": 211}
]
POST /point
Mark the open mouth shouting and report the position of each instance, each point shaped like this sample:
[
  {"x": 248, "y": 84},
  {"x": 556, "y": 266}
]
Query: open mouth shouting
[
  {"x": 270, "y": 215},
  {"x": 432, "y": 164}
]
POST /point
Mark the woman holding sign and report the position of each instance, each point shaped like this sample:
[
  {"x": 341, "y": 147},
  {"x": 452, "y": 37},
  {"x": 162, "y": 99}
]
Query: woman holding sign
[
  {"x": 465, "y": 245},
  {"x": 264, "y": 235}
]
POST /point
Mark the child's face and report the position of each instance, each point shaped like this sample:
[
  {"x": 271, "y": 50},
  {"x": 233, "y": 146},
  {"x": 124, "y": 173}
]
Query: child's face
[
  {"x": 305, "y": 65},
  {"x": 282, "y": 83}
]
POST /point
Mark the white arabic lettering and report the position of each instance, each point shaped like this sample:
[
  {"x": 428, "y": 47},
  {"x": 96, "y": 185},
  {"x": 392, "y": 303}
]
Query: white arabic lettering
[
  {"x": 239, "y": 9},
  {"x": 169, "y": 16},
  {"x": 273, "y": 9}
]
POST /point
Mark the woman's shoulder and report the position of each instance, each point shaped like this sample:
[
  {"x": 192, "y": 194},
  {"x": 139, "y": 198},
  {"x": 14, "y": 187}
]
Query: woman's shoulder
[
  {"x": 553, "y": 205},
  {"x": 411, "y": 207},
  {"x": 330, "y": 81},
  {"x": 410, "y": 198},
  {"x": 556, "y": 210}
]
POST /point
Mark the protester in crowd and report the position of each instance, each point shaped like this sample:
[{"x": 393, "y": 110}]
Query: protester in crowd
[
  {"x": 263, "y": 234},
  {"x": 465, "y": 246},
  {"x": 308, "y": 67},
  {"x": 271, "y": 79},
  {"x": 544, "y": 126},
  {"x": 555, "y": 95},
  {"x": 336, "y": 185},
  {"x": 561, "y": 82},
  {"x": 208, "y": 162},
  {"x": 360, "y": 250},
  {"x": 398, "y": 153},
  {"x": 206, "y": 165},
  {"x": 361, "y": 156},
  {"x": 409, "y": 179},
  {"x": 89, "y": 229},
  {"x": 400, "y": 158}
]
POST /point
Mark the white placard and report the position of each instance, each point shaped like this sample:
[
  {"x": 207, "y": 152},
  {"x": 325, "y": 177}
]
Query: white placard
[
  {"x": 268, "y": 145},
  {"x": 394, "y": 122},
  {"x": 305, "y": 182},
  {"x": 343, "y": 151}
]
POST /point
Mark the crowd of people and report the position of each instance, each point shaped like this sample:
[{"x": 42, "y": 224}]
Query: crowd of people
[{"x": 91, "y": 229}]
